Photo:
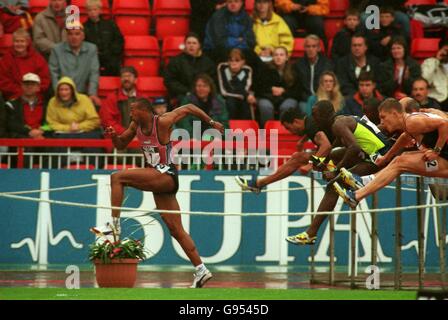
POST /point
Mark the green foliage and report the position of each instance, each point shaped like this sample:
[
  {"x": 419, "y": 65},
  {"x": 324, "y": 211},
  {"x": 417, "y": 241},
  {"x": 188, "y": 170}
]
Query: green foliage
[{"x": 121, "y": 249}]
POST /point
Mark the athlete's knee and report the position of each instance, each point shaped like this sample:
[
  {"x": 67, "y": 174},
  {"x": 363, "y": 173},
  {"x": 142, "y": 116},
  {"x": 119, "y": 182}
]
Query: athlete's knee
[{"x": 176, "y": 229}]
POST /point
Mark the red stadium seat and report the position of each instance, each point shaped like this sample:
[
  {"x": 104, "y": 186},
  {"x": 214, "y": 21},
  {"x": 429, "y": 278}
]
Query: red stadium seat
[
  {"x": 286, "y": 140},
  {"x": 151, "y": 86},
  {"x": 338, "y": 8},
  {"x": 420, "y": 2},
  {"x": 172, "y": 17},
  {"x": 143, "y": 53},
  {"x": 244, "y": 125},
  {"x": 250, "y": 6},
  {"x": 5, "y": 43},
  {"x": 133, "y": 25},
  {"x": 134, "y": 7},
  {"x": 108, "y": 85},
  {"x": 422, "y": 48},
  {"x": 4, "y": 166},
  {"x": 132, "y": 17},
  {"x": 37, "y": 6},
  {"x": 299, "y": 50},
  {"x": 333, "y": 26},
  {"x": 172, "y": 46},
  {"x": 141, "y": 46},
  {"x": 146, "y": 67}
]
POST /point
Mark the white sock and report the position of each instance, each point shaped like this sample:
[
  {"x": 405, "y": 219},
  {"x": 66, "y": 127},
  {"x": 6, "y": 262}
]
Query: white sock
[
  {"x": 367, "y": 179},
  {"x": 200, "y": 267}
]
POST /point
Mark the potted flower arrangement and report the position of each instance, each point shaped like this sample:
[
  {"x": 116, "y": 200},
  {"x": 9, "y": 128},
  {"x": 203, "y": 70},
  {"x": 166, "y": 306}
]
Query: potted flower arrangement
[{"x": 116, "y": 262}]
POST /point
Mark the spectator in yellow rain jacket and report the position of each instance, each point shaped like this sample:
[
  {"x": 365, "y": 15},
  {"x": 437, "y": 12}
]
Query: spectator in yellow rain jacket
[
  {"x": 306, "y": 14},
  {"x": 72, "y": 115},
  {"x": 271, "y": 31}
]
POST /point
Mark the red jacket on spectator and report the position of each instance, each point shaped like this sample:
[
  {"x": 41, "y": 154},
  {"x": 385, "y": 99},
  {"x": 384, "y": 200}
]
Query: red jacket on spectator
[
  {"x": 12, "y": 69},
  {"x": 111, "y": 110}
]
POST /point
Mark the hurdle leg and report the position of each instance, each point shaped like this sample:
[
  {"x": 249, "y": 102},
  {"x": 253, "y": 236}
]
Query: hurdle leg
[
  {"x": 397, "y": 258},
  {"x": 441, "y": 228},
  {"x": 312, "y": 251},
  {"x": 420, "y": 233},
  {"x": 332, "y": 264},
  {"x": 374, "y": 235},
  {"x": 353, "y": 258}
]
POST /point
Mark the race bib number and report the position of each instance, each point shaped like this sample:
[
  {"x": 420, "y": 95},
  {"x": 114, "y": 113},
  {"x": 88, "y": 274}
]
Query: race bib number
[
  {"x": 431, "y": 166},
  {"x": 152, "y": 155},
  {"x": 374, "y": 157}
]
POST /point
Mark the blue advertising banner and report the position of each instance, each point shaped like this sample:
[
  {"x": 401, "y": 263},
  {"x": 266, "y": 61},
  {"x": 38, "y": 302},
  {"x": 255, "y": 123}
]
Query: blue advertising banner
[{"x": 44, "y": 233}]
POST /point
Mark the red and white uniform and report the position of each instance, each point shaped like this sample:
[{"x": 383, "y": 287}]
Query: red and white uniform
[{"x": 154, "y": 152}]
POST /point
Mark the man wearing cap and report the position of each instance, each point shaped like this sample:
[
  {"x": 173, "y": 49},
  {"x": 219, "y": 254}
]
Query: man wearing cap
[
  {"x": 159, "y": 106},
  {"x": 78, "y": 60},
  {"x": 115, "y": 110},
  {"x": 26, "y": 114},
  {"x": 21, "y": 59}
]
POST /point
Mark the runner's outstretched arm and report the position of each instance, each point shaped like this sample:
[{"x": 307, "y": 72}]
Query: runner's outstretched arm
[
  {"x": 170, "y": 118},
  {"x": 121, "y": 141}
]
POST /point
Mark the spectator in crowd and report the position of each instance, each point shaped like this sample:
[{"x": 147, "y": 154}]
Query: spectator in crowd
[
  {"x": 107, "y": 37},
  {"x": 71, "y": 115},
  {"x": 351, "y": 66},
  {"x": 72, "y": 112},
  {"x": 310, "y": 67},
  {"x": 328, "y": 90},
  {"x": 3, "y": 123},
  {"x": 280, "y": 87},
  {"x": 399, "y": 72},
  {"x": 26, "y": 114},
  {"x": 270, "y": 30},
  {"x": 235, "y": 85},
  {"x": 400, "y": 11},
  {"x": 435, "y": 71},
  {"x": 355, "y": 105},
  {"x": 342, "y": 40},
  {"x": 380, "y": 39},
  {"x": 49, "y": 27},
  {"x": 201, "y": 12},
  {"x": 305, "y": 14},
  {"x": 78, "y": 60},
  {"x": 420, "y": 91},
  {"x": 115, "y": 110},
  {"x": 205, "y": 97},
  {"x": 229, "y": 28},
  {"x": 182, "y": 69},
  {"x": 20, "y": 60},
  {"x": 160, "y": 106},
  {"x": 14, "y": 15}
]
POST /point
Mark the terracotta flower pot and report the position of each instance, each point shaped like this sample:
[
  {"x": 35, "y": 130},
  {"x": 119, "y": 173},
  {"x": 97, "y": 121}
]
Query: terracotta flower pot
[{"x": 120, "y": 273}]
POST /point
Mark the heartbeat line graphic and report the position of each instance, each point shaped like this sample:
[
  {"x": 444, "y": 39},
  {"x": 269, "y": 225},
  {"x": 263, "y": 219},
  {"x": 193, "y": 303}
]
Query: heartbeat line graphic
[{"x": 44, "y": 229}]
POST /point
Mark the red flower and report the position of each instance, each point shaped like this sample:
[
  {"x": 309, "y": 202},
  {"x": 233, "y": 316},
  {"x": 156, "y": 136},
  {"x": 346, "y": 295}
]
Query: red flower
[
  {"x": 111, "y": 255},
  {"x": 117, "y": 250}
]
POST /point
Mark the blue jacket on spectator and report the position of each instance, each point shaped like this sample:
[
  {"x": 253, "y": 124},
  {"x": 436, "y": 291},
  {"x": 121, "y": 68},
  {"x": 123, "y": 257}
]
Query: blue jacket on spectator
[
  {"x": 225, "y": 31},
  {"x": 354, "y": 106}
]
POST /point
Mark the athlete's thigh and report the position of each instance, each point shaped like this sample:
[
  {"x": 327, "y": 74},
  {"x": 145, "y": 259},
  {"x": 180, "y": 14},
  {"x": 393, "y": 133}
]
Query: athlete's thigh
[
  {"x": 146, "y": 179},
  {"x": 413, "y": 162},
  {"x": 337, "y": 154}
]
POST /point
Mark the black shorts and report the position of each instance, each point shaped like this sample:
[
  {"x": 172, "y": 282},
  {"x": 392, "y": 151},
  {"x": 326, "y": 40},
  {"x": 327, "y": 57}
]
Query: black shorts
[{"x": 171, "y": 170}]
